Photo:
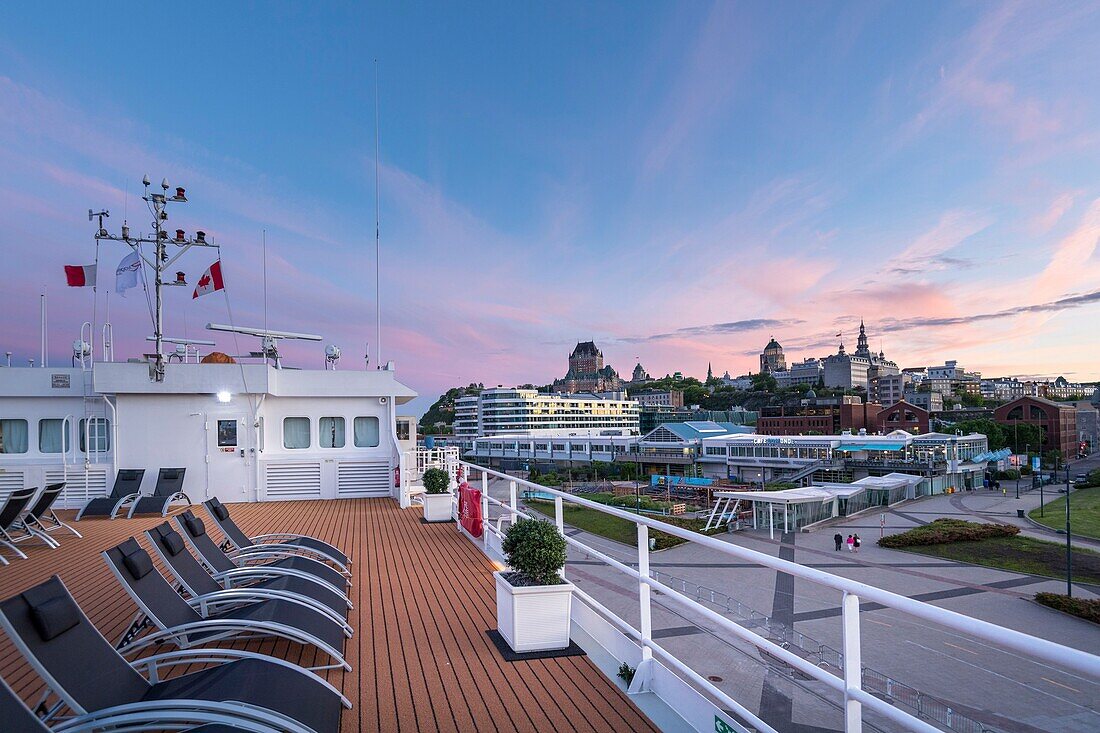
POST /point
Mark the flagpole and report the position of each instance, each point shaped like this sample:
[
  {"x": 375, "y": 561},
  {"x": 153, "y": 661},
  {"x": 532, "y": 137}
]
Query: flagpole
[{"x": 377, "y": 238}]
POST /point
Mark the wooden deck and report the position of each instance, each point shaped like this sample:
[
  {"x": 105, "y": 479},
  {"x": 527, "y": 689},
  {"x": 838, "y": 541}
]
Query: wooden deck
[{"x": 423, "y": 598}]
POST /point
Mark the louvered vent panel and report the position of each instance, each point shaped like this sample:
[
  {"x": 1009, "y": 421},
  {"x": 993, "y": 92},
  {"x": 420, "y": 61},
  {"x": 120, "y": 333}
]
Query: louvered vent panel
[
  {"x": 363, "y": 478},
  {"x": 10, "y": 481},
  {"x": 80, "y": 486},
  {"x": 293, "y": 481}
]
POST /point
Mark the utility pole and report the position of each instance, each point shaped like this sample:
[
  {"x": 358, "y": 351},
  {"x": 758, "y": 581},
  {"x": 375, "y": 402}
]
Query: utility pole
[{"x": 158, "y": 204}]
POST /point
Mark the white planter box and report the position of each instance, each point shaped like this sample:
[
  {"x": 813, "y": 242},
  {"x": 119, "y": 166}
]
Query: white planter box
[
  {"x": 437, "y": 507},
  {"x": 533, "y": 618}
]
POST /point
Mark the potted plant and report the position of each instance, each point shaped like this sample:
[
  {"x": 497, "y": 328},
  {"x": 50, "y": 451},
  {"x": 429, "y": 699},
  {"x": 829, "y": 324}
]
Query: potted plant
[
  {"x": 533, "y": 600},
  {"x": 437, "y": 495}
]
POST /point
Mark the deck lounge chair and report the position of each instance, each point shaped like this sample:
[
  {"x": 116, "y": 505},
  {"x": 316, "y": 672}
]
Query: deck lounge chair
[
  {"x": 197, "y": 581},
  {"x": 209, "y": 717},
  {"x": 169, "y": 488},
  {"x": 193, "y": 530},
  {"x": 240, "y": 613},
  {"x": 40, "y": 515},
  {"x": 126, "y": 490},
  {"x": 311, "y": 546},
  {"x": 80, "y": 666},
  {"x": 12, "y": 530}
]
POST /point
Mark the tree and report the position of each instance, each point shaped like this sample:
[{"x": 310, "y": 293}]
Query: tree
[{"x": 764, "y": 382}]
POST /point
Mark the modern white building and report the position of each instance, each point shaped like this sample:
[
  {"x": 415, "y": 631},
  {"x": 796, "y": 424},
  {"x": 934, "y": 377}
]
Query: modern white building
[{"x": 526, "y": 411}]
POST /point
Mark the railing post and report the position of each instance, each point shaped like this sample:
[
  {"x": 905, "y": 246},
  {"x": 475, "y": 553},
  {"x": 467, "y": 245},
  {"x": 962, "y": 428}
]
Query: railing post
[
  {"x": 485, "y": 519},
  {"x": 512, "y": 498},
  {"x": 640, "y": 683},
  {"x": 559, "y": 514},
  {"x": 853, "y": 666}
]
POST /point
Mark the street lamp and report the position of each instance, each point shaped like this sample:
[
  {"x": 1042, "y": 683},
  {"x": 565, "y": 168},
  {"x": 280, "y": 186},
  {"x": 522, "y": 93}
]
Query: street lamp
[{"x": 1069, "y": 551}]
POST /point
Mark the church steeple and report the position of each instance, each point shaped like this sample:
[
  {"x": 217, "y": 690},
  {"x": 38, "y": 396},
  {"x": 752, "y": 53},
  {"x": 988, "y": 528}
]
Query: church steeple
[
  {"x": 862, "y": 347},
  {"x": 710, "y": 373}
]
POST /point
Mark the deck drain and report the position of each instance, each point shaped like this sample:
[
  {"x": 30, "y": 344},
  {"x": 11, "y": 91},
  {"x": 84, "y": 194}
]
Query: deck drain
[{"x": 714, "y": 678}]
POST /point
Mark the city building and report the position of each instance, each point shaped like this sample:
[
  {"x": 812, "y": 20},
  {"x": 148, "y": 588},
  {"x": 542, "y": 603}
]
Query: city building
[
  {"x": 660, "y": 398},
  {"x": 905, "y": 416},
  {"x": 927, "y": 401},
  {"x": 640, "y": 374},
  {"x": 889, "y": 388},
  {"x": 951, "y": 378},
  {"x": 1057, "y": 420},
  {"x": 743, "y": 383},
  {"x": 1088, "y": 429},
  {"x": 942, "y": 461},
  {"x": 810, "y": 371},
  {"x": 772, "y": 358},
  {"x": 819, "y": 416},
  {"x": 848, "y": 371},
  {"x": 527, "y": 411},
  {"x": 587, "y": 372},
  {"x": 1063, "y": 389}
]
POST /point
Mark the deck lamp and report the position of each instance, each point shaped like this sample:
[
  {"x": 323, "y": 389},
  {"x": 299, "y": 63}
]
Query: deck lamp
[{"x": 224, "y": 396}]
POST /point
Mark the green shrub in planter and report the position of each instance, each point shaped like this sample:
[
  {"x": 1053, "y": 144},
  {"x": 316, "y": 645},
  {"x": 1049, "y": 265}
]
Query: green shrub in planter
[
  {"x": 1086, "y": 608},
  {"x": 946, "y": 530},
  {"x": 536, "y": 552},
  {"x": 436, "y": 481}
]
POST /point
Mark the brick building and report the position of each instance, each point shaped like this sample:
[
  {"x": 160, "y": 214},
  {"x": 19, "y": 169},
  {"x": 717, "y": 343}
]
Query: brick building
[
  {"x": 1057, "y": 420},
  {"x": 903, "y": 416},
  {"x": 815, "y": 416}
]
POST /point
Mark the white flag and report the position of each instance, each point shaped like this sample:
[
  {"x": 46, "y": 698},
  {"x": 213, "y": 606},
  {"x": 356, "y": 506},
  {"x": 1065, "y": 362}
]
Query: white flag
[{"x": 126, "y": 276}]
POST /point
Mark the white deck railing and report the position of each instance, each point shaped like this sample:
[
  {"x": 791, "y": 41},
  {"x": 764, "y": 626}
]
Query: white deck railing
[{"x": 850, "y": 685}]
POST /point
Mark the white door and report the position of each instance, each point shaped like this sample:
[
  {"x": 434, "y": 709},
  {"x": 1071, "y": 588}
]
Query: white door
[{"x": 230, "y": 457}]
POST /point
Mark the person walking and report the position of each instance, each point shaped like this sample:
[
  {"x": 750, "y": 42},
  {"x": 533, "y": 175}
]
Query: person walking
[
  {"x": 849, "y": 542},
  {"x": 838, "y": 539},
  {"x": 856, "y": 542}
]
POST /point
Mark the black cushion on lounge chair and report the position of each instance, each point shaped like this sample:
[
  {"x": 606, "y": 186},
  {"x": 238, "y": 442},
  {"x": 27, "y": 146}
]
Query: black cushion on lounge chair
[
  {"x": 69, "y": 657},
  {"x": 173, "y": 543},
  {"x": 196, "y": 579},
  {"x": 127, "y": 484},
  {"x": 218, "y": 509},
  {"x": 194, "y": 525},
  {"x": 169, "y": 485},
  {"x": 139, "y": 564},
  {"x": 17, "y": 717},
  {"x": 54, "y": 616}
]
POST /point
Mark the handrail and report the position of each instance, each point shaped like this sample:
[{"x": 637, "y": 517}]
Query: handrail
[{"x": 1029, "y": 647}]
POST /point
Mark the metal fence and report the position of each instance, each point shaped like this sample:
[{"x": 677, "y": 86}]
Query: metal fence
[{"x": 920, "y": 704}]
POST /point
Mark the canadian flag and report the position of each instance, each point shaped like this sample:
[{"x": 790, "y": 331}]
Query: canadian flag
[
  {"x": 210, "y": 281},
  {"x": 80, "y": 276}
]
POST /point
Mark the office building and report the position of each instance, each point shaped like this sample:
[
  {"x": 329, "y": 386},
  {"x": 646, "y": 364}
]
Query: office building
[{"x": 526, "y": 412}]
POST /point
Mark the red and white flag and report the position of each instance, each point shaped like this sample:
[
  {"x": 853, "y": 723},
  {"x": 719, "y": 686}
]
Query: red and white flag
[
  {"x": 210, "y": 281},
  {"x": 80, "y": 276}
]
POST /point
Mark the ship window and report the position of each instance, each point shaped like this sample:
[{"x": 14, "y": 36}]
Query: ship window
[
  {"x": 52, "y": 436},
  {"x": 13, "y": 436},
  {"x": 366, "y": 432},
  {"x": 403, "y": 429},
  {"x": 296, "y": 432},
  {"x": 227, "y": 433},
  {"x": 331, "y": 430},
  {"x": 96, "y": 431}
]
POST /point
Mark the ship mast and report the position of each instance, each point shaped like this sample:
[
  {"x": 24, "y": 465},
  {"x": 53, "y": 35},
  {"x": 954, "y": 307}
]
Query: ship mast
[{"x": 158, "y": 205}]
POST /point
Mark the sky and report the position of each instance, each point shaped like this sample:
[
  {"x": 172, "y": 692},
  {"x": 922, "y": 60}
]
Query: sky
[{"x": 678, "y": 182}]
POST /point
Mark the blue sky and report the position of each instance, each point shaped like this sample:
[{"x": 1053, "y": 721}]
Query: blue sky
[{"x": 679, "y": 182}]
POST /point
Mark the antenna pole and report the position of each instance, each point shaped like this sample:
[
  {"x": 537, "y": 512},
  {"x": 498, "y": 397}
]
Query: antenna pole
[
  {"x": 42, "y": 326},
  {"x": 264, "y": 238},
  {"x": 377, "y": 237}
]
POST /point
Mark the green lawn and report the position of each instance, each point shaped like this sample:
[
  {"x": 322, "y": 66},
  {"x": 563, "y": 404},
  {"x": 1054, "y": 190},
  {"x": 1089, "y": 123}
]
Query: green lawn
[
  {"x": 1020, "y": 555},
  {"x": 1084, "y": 510},
  {"x": 614, "y": 528}
]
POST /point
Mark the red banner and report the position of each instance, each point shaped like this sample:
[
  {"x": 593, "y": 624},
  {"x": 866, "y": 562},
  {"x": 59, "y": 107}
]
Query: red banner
[{"x": 469, "y": 509}]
